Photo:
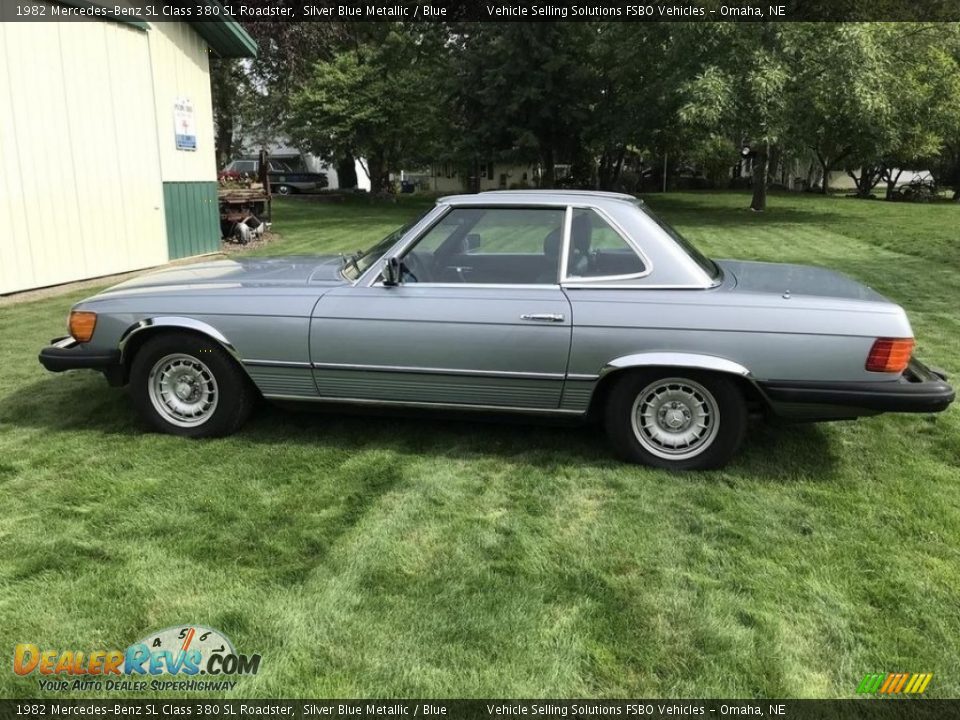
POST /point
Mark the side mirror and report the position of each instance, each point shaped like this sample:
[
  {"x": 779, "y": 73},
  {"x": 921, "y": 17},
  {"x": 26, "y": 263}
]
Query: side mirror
[
  {"x": 391, "y": 271},
  {"x": 471, "y": 242}
]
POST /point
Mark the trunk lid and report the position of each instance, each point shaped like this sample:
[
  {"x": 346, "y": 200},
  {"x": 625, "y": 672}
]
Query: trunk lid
[{"x": 798, "y": 280}]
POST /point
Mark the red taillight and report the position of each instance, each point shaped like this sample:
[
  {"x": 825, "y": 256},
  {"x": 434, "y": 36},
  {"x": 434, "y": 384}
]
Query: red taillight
[{"x": 890, "y": 355}]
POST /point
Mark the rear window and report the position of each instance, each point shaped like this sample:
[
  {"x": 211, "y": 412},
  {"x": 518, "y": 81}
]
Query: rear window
[{"x": 705, "y": 263}]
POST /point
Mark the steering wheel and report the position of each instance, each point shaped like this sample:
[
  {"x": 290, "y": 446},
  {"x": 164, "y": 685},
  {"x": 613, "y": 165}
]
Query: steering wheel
[{"x": 414, "y": 268}]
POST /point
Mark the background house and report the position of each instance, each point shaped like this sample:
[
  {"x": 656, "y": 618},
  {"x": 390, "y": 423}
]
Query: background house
[
  {"x": 106, "y": 144},
  {"x": 448, "y": 177}
]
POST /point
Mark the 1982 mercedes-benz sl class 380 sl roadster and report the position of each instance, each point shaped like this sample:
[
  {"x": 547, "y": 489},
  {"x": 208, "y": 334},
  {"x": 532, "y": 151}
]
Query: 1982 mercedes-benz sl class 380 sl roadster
[{"x": 540, "y": 302}]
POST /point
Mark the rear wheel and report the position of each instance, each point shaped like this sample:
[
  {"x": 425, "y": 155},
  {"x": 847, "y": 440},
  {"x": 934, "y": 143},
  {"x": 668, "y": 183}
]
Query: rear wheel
[
  {"x": 283, "y": 189},
  {"x": 676, "y": 419},
  {"x": 187, "y": 385}
]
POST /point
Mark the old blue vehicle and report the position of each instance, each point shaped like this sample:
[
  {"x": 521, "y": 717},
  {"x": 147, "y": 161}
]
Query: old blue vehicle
[{"x": 558, "y": 303}]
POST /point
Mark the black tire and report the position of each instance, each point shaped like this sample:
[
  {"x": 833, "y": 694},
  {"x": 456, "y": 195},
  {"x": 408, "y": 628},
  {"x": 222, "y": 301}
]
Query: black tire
[
  {"x": 283, "y": 189},
  {"x": 233, "y": 392},
  {"x": 635, "y": 440}
]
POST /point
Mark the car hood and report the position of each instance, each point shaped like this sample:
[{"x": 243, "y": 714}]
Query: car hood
[
  {"x": 273, "y": 272},
  {"x": 780, "y": 278}
]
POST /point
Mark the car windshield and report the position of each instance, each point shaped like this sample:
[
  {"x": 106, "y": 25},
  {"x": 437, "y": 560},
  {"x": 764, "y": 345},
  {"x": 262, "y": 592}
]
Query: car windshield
[
  {"x": 705, "y": 263},
  {"x": 356, "y": 264}
]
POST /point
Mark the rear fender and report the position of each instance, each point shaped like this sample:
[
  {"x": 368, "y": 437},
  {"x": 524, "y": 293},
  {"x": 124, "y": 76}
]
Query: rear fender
[
  {"x": 680, "y": 360},
  {"x": 676, "y": 359}
]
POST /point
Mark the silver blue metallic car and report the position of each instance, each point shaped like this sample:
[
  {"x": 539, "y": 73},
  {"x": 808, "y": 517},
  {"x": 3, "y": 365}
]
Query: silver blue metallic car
[{"x": 579, "y": 304}]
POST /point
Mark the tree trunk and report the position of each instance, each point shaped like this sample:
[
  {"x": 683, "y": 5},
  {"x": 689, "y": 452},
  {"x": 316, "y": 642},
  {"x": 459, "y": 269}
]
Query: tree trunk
[
  {"x": 549, "y": 177},
  {"x": 774, "y": 169},
  {"x": 618, "y": 167},
  {"x": 376, "y": 169},
  {"x": 869, "y": 177},
  {"x": 605, "y": 171},
  {"x": 891, "y": 181},
  {"x": 825, "y": 182},
  {"x": 223, "y": 142},
  {"x": 347, "y": 172},
  {"x": 761, "y": 164}
]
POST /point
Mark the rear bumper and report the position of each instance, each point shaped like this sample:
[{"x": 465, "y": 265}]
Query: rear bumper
[
  {"x": 918, "y": 390},
  {"x": 67, "y": 354}
]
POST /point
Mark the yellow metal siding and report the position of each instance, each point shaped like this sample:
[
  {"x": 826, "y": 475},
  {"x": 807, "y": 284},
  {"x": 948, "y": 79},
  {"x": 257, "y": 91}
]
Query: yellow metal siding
[
  {"x": 180, "y": 62},
  {"x": 80, "y": 187}
]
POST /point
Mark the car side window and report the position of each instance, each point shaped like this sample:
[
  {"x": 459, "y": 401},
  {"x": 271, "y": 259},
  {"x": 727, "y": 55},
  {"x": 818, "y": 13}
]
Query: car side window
[
  {"x": 597, "y": 250},
  {"x": 507, "y": 246},
  {"x": 245, "y": 166}
]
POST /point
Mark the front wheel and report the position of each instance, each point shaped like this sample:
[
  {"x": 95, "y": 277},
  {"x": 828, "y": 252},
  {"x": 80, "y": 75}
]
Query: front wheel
[
  {"x": 187, "y": 385},
  {"x": 283, "y": 189},
  {"x": 677, "y": 420}
]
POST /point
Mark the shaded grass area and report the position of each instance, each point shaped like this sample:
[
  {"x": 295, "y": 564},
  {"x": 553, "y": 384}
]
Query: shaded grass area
[{"x": 398, "y": 556}]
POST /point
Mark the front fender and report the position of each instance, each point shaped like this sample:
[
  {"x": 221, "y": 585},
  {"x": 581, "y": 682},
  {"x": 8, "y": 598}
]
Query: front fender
[{"x": 176, "y": 323}]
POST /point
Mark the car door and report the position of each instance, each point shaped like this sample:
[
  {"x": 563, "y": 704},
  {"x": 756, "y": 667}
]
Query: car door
[{"x": 478, "y": 318}]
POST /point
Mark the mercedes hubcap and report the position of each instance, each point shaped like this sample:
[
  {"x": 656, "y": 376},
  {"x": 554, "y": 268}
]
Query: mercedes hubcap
[
  {"x": 675, "y": 418},
  {"x": 183, "y": 390}
]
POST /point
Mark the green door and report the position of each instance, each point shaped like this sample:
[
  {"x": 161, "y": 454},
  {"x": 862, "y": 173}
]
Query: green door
[{"x": 193, "y": 218}]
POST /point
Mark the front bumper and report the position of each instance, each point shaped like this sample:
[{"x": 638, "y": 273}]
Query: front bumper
[
  {"x": 918, "y": 390},
  {"x": 67, "y": 354}
]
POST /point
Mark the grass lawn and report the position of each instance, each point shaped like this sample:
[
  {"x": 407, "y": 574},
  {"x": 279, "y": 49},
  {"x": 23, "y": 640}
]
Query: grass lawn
[{"x": 366, "y": 556}]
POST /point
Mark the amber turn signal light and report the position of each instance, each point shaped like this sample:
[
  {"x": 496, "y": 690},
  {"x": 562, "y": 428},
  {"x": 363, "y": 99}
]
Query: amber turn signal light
[
  {"x": 81, "y": 325},
  {"x": 890, "y": 355}
]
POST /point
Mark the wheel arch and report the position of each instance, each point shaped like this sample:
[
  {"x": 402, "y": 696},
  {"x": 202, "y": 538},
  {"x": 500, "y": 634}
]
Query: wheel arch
[
  {"x": 619, "y": 367},
  {"x": 136, "y": 335}
]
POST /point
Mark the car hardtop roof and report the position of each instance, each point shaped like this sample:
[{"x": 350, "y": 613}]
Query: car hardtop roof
[{"x": 536, "y": 196}]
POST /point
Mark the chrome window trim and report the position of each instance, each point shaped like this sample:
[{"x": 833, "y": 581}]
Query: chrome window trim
[
  {"x": 565, "y": 245},
  {"x": 502, "y": 286},
  {"x": 618, "y": 229},
  {"x": 439, "y": 371},
  {"x": 588, "y": 286},
  {"x": 371, "y": 278}
]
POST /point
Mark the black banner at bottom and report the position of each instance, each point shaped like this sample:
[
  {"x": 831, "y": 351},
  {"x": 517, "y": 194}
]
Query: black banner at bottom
[{"x": 866, "y": 708}]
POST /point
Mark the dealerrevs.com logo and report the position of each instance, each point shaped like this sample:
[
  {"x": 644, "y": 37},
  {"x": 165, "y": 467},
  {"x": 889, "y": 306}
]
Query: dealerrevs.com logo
[{"x": 172, "y": 659}]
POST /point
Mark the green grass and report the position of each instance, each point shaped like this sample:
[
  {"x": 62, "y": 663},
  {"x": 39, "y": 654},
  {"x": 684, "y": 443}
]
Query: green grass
[{"x": 368, "y": 556}]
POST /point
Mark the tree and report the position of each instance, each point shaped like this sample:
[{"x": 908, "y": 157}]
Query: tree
[
  {"x": 868, "y": 97},
  {"x": 374, "y": 101},
  {"x": 742, "y": 92},
  {"x": 638, "y": 70},
  {"x": 228, "y": 85},
  {"x": 524, "y": 89}
]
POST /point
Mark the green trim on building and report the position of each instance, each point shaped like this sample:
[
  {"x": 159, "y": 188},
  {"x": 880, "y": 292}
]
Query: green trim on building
[
  {"x": 225, "y": 37},
  {"x": 192, "y": 212}
]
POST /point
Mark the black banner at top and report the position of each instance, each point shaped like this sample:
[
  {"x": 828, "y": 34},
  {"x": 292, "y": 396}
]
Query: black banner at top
[
  {"x": 502, "y": 709},
  {"x": 485, "y": 10}
]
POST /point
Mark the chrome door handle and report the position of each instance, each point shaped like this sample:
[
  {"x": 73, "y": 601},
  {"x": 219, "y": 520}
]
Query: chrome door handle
[{"x": 542, "y": 317}]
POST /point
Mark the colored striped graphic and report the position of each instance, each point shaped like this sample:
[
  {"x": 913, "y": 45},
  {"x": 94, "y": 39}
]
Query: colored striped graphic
[{"x": 894, "y": 683}]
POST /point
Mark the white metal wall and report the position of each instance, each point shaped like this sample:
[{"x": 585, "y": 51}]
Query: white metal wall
[
  {"x": 181, "y": 68},
  {"x": 80, "y": 184}
]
